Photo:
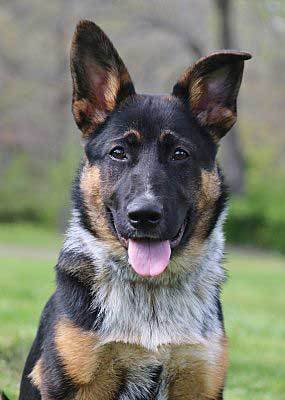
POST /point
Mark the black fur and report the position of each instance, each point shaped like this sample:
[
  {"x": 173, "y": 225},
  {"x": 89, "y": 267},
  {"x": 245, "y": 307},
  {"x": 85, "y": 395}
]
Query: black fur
[
  {"x": 58, "y": 385},
  {"x": 221, "y": 395},
  {"x": 27, "y": 390},
  {"x": 145, "y": 392},
  {"x": 78, "y": 201},
  {"x": 220, "y": 203},
  {"x": 75, "y": 299}
]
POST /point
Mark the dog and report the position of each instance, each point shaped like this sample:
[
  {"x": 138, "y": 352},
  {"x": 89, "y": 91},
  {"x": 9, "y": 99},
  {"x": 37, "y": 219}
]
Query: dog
[{"x": 136, "y": 313}]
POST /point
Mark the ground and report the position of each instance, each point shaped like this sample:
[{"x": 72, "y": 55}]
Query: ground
[{"x": 253, "y": 299}]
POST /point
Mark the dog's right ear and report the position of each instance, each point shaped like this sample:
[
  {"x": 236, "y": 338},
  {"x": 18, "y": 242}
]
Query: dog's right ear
[
  {"x": 100, "y": 78},
  {"x": 210, "y": 88}
]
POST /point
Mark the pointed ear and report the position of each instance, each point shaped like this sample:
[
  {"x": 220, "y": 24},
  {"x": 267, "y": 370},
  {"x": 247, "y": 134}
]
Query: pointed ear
[
  {"x": 100, "y": 78},
  {"x": 210, "y": 87}
]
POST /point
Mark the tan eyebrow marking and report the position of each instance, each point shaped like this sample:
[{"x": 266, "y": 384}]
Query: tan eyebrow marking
[
  {"x": 164, "y": 135},
  {"x": 133, "y": 135},
  {"x": 169, "y": 134}
]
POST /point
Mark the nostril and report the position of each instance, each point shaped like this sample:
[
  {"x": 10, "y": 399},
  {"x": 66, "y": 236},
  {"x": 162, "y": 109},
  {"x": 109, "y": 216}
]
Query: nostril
[
  {"x": 133, "y": 216},
  {"x": 153, "y": 217},
  {"x": 145, "y": 215},
  {"x": 141, "y": 216}
]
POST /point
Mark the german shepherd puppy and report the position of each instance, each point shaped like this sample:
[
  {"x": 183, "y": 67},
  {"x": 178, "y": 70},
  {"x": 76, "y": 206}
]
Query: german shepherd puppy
[{"x": 136, "y": 313}]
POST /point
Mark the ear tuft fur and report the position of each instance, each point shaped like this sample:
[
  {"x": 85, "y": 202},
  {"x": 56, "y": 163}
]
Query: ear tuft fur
[
  {"x": 100, "y": 78},
  {"x": 210, "y": 87}
]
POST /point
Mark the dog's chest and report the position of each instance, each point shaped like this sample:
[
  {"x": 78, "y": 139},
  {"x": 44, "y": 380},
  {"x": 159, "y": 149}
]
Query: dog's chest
[
  {"x": 154, "y": 316},
  {"x": 149, "y": 346},
  {"x": 129, "y": 372}
]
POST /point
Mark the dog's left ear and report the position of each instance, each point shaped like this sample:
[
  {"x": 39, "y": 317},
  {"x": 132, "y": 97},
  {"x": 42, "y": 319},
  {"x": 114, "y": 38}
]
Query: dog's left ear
[
  {"x": 100, "y": 78},
  {"x": 210, "y": 88}
]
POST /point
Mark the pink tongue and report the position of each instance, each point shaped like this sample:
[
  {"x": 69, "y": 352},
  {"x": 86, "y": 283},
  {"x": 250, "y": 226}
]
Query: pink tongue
[{"x": 149, "y": 258}]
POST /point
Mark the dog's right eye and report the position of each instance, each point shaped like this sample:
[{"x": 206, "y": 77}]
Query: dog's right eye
[{"x": 118, "y": 153}]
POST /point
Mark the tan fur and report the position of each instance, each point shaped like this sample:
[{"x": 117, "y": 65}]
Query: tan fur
[
  {"x": 36, "y": 374},
  {"x": 196, "y": 91},
  {"x": 164, "y": 135},
  {"x": 36, "y": 377},
  {"x": 111, "y": 90},
  {"x": 198, "y": 372},
  {"x": 207, "y": 196},
  {"x": 210, "y": 189},
  {"x": 96, "y": 116},
  {"x": 117, "y": 359},
  {"x": 91, "y": 368},
  {"x": 215, "y": 115},
  {"x": 133, "y": 134},
  {"x": 209, "y": 193},
  {"x": 92, "y": 192},
  {"x": 98, "y": 371},
  {"x": 125, "y": 76},
  {"x": 218, "y": 376},
  {"x": 105, "y": 378},
  {"x": 77, "y": 352},
  {"x": 194, "y": 371}
]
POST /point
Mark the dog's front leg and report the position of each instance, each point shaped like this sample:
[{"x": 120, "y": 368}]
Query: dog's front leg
[{"x": 197, "y": 372}]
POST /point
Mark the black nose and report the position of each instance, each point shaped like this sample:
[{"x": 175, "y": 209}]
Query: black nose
[{"x": 144, "y": 214}]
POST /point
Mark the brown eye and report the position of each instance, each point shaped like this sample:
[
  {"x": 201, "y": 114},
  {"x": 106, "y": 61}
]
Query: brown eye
[
  {"x": 179, "y": 154},
  {"x": 118, "y": 153}
]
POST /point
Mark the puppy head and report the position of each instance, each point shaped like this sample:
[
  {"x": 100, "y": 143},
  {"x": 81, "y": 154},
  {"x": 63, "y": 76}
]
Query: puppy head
[{"x": 150, "y": 185}]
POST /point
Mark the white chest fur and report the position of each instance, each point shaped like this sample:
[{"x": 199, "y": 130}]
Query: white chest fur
[{"x": 152, "y": 316}]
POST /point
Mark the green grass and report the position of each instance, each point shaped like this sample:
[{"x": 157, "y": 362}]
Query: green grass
[
  {"x": 254, "y": 304},
  {"x": 29, "y": 235},
  {"x": 24, "y": 287}
]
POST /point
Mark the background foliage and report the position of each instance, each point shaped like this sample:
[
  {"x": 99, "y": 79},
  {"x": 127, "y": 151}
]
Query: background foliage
[{"x": 40, "y": 147}]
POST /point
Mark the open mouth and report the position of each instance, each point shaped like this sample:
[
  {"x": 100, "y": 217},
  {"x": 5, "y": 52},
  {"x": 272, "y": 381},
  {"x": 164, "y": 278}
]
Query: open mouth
[
  {"x": 174, "y": 242},
  {"x": 149, "y": 256}
]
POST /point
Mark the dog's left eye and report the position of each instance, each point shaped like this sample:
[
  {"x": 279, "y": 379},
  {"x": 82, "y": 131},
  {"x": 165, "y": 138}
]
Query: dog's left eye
[
  {"x": 118, "y": 153},
  {"x": 179, "y": 154}
]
